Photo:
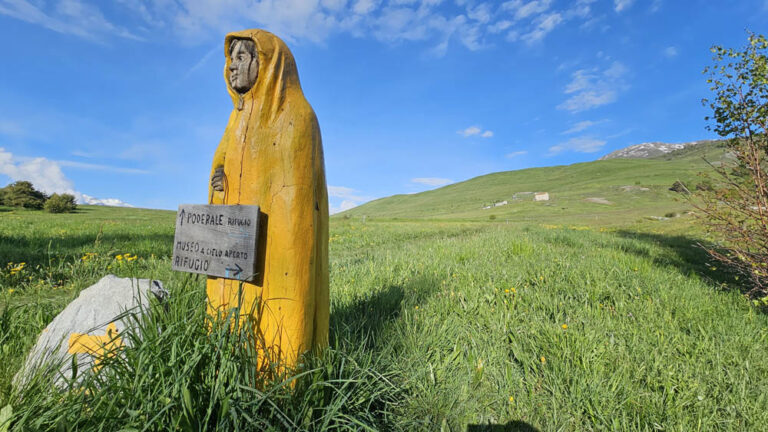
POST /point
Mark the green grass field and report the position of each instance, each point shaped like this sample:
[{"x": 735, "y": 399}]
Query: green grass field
[{"x": 564, "y": 325}]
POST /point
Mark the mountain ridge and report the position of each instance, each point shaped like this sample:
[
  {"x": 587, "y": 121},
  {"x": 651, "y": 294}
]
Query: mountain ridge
[{"x": 650, "y": 149}]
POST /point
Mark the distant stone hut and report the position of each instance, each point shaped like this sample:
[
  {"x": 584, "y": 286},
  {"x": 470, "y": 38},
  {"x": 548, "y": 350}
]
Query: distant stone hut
[
  {"x": 541, "y": 196},
  {"x": 496, "y": 204}
]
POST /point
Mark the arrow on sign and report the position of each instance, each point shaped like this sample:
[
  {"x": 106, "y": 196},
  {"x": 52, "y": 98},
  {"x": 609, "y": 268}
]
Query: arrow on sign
[
  {"x": 237, "y": 270},
  {"x": 181, "y": 217}
]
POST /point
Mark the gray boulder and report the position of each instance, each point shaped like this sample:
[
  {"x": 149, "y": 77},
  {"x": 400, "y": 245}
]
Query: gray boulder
[{"x": 90, "y": 324}]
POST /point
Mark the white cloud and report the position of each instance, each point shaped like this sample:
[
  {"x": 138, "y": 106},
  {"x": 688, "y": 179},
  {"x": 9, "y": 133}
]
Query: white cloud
[
  {"x": 481, "y": 13},
  {"x": 363, "y": 7},
  {"x": 345, "y": 193},
  {"x": 112, "y": 202},
  {"x": 100, "y": 167},
  {"x": 500, "y": 26},
  {"x": 349, "y": 198},
  {"x": 472, "y": 130},
  {"x": 432, "y": 181},
  {"x": 545, "y": 24},
  {"x": 582, "y": 125},
  {"x": 620, "y": 5},
  {"x": 516, "y": 154},
  {"x": 579, "y": 144},
  {"x": 46, "y": 175},
  {"x": 521, "y": 9},
  {"x": 475, "y": 130},
  {"x": 671, "y": 52},
  {"x": 66, "y": 16},
  {"x": 437, "y": 22},
  {"x": 582, "y": 9},
  {"x": 345, "y": 205},
  {"x": 591, "y": 88}
]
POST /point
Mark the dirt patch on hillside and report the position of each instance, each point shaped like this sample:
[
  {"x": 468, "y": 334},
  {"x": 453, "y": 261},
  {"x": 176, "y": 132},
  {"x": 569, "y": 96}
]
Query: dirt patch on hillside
[
  {"x": 598, "y": 201},
  {"x": 634, "y": 189}
]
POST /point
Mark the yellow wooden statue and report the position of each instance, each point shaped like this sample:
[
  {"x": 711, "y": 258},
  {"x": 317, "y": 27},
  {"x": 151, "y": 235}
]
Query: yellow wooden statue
[{"x": 271, "y": 155}]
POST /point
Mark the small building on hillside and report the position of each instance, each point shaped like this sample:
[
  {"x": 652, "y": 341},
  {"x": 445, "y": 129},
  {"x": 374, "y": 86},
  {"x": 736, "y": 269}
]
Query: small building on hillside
[
  {"x": 541, "y": 196},
  {"x": 500, "y": 203}
]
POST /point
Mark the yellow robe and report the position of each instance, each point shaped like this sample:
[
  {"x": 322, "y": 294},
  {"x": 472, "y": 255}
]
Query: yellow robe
[{"x": 272, "y": 157}]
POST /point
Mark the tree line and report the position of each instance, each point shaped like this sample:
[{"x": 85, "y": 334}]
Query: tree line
[{"x": 23, "y": 194}]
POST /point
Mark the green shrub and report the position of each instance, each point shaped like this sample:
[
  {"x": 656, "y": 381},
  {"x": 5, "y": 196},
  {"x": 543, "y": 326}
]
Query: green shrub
[
  {"x": 733, "y": 209},
  {"x": 60, "y": 203},
  {"x": 23, "y": 194}
]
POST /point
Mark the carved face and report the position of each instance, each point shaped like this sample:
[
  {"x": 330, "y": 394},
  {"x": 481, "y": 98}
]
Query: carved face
[{"x": 243, "y": 66}]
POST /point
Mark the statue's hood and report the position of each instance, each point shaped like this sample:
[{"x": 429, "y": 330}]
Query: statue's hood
[{"x": 277, "y": 77}]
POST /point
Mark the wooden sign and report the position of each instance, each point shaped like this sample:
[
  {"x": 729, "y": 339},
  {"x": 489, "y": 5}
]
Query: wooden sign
[{"x": 216, "y": 240}]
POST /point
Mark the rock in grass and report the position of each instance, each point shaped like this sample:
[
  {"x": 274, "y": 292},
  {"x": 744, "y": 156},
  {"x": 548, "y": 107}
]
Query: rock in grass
[{"x": 90, "y": 326}]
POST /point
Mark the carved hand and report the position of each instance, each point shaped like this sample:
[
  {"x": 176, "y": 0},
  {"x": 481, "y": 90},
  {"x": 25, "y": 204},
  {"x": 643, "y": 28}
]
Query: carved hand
[{"x": 217, "y": 179}]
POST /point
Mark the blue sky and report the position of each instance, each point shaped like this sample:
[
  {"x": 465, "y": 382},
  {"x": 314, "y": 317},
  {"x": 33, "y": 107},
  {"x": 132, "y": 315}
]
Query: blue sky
[{"x": 124, "y": 100}]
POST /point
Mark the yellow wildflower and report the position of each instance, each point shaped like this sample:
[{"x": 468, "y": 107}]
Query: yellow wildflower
[
  {"x": 511, "y": 399},
  {"x": 564, "y": 326},
  {"x": 10, "y": 291},
  {"x": 119, "y": 257},
  {"x": 543, "y": 360}
]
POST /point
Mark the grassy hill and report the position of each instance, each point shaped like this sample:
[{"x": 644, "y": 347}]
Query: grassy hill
[{"x": 616, "y": 188}]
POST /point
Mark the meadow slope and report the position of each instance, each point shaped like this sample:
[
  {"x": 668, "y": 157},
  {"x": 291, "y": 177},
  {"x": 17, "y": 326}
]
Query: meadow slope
[
  {"x": 624, "y": 188},
  {"x": 434, "y": 326}
]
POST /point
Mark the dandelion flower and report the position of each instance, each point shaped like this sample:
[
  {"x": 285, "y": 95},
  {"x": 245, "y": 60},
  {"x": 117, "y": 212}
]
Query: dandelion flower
[
  {"x": 543, "y": 360},
  {"x": 564, "y": 326},
  {"x": 511, "y": 399}
]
